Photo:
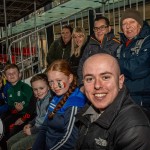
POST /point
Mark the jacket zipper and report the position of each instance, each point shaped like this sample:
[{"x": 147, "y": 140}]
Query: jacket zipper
[
  {"x": 87, "y": 129},
  {"x": 63, "y": 53}
]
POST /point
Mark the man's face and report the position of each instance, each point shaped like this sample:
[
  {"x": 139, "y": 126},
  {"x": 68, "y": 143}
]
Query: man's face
[
  {"x": 12, "y": 75},
  {"x": 100, "y": 29},
  {"x": 102, "y": 81},
  {"x": 130, "y": 28},
  {"x": 66, "y": 35}
]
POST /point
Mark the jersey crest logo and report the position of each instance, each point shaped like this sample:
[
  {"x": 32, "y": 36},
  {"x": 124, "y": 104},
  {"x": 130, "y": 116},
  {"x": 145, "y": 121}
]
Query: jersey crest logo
[{"x": 101, "y": 142}]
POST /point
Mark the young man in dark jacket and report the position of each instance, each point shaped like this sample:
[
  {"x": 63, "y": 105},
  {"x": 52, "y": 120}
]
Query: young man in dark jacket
[
  {"x": 134, "y": 56},
  {"x": 102, "y": 41},
  {"x": 111, "y": 121}
]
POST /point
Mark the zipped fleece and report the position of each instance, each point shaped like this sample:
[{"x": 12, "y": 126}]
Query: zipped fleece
[{"x": 21, "y": 92}]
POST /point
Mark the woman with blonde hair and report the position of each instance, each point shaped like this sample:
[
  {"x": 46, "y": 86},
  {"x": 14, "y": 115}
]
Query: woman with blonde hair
[{"x": 79, "y": 39}]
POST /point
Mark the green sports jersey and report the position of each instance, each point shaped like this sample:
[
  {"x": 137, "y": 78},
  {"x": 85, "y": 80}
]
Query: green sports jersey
[{"x": 21, "y": 92}]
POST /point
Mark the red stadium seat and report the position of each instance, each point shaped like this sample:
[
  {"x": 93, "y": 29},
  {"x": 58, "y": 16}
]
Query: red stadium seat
[
  {"x": 25, "y": 51},
  {"x": 4, "y": 58}
]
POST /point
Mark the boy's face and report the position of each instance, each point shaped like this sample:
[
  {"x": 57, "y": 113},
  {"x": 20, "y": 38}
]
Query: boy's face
[
  {"x": 12, "y": 75},
  {"x": 40, "y": 88}
]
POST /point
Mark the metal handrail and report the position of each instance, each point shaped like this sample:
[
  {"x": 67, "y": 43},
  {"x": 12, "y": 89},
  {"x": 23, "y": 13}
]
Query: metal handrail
[
  {"x": 11, "y": 37},
  {"x": 86, "y": 9}
]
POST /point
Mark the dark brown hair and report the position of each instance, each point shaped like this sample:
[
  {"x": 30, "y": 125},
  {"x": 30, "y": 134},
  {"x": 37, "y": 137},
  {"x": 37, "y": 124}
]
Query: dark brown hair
[
  {"x": 64, "y": 67},
  {"x": 68, "y": 27},
  {"x": 40, "y": 76},
  {"x": 11, "y": 66},
  {"x": 102, "y": 18}
]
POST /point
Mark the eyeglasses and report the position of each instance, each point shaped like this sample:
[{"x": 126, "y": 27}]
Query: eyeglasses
[{"x": 101, "y": 28}]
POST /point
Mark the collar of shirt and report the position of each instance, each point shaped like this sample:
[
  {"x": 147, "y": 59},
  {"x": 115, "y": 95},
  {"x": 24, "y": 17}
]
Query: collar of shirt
[{"x": 94, "y": 113}]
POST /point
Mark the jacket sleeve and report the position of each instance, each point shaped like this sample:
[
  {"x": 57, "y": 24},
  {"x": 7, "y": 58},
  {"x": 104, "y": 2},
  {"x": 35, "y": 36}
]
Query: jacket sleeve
[
  {"x": 137, "y": 66},
  {"x": 30, "y": 113},
  {"x": 35, "y": 130},
  {"x": 27, "y": 94},
  {"x": 134, "y": 138},
  {"x": 6, "y": 87},
  {"x": 66, "y": 139},
  {"x": 32, "y": 122}
]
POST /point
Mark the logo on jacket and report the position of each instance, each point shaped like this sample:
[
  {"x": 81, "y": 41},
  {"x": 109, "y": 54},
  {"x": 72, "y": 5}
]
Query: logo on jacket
[
  {"x": 10, "y": 95},
  {"x": 19, "y": 93},
  {"x": 101, "y": 142}
]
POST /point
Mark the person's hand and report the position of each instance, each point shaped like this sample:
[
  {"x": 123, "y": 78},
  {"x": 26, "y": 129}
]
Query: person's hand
[
  {"x": 19, "y": 122},
  {"x": 27, "y": 131},
  {"x": 27, "y": 126},
  {"x": 18, "y": 106}
]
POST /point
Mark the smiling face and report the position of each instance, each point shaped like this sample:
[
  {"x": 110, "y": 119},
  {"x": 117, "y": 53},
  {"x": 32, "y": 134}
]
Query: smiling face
[
  {"x": 40, "y": 89},
  {"x": 100, "y": 29},
  {"x": 102, "y": 80},
  {"x": 59, "y": 82},
  {"x": 13, "y": 75},
  {"x": 130, "y": 28},
  {"x": 66, "y": 35},
  {"x": 79, "y": 38}
]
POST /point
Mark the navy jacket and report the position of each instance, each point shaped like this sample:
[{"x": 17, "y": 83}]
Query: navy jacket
[
  {"x": 135, "y": 65},
  {"x": 109, "y": 45},
  {"x": 60, "y": 133},
  {"x": 3, "y": 98}
]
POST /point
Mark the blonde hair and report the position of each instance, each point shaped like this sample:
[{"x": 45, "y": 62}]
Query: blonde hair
[{"x": 74, "y": 46}]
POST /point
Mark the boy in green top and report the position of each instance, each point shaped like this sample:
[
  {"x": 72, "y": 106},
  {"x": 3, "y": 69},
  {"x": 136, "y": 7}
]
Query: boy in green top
[{"x": 19, "y": 96}]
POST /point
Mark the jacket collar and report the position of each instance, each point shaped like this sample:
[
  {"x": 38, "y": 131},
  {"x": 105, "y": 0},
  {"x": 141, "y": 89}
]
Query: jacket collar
[
  {"x": 108, "y": 116},
  {"x": 107, "y": 37},
  {"x": 63, "y": 44}
]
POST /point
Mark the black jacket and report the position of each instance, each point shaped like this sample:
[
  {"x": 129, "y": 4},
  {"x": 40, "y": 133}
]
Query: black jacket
[
  {"x": 58, "y": 50},
  {"x": 109, "y": 45},
  {"x": 122, "y": 126}
]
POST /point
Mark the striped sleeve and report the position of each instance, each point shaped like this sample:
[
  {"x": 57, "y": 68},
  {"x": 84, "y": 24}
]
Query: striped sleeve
[{"x": 69, "y": 128}]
